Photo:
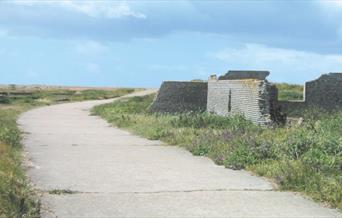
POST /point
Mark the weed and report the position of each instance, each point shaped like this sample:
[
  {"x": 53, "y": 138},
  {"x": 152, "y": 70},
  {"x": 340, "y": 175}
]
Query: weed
[{"x": 62, "y": 192}]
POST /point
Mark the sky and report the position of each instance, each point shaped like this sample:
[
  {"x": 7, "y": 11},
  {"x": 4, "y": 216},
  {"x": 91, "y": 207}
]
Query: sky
[{"x": 142, "y": 43}]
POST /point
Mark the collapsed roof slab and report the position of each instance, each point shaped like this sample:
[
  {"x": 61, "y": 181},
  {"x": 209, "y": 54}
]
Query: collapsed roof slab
[{"x": 245, "y": 74}]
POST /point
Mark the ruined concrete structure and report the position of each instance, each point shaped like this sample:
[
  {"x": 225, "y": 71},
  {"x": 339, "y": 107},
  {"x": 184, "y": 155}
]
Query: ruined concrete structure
[
  {"x": 178, "y": 97},
  {"x": 247, "y": 93},
  {"x": 243, "y": 92},
  {"x": 324, "y": 92},
  {"x": 237, "y": 92}
]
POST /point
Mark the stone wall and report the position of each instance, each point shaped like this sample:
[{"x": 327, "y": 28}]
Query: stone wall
[
  {"x": 325, "y": 92},
  {"x": 178, "y": 97},
  {"x": 255, "y": 99}
]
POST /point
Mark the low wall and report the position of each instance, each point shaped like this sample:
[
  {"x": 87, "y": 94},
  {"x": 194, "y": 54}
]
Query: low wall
[{"x": 179, "y": 97}]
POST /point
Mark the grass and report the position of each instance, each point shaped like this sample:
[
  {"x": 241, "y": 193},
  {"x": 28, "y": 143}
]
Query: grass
[
  {"x": 36, "y": 97},
  {"x": 17, "y": 198},
  {"x": 305, "y": 158},
  {"x": 62, "y": 192},
  {"x": 289, "y": 91}
]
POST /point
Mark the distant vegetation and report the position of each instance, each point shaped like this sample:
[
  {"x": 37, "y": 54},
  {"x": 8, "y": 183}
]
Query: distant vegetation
[
  {"x": 17, "y": 199},
  {"x": 198, "y": 80},
  {"x": 290, "y": 91},
  {"x": 305, "y": 157},
  {"x": 52, "y": 96}
]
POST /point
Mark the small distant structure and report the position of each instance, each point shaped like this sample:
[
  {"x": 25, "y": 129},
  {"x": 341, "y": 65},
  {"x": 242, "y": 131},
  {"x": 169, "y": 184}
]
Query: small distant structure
[{"x": 247, "y": 93}]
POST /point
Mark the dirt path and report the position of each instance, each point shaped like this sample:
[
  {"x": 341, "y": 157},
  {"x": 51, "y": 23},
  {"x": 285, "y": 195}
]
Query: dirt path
[{"x": 112, "y": 173}]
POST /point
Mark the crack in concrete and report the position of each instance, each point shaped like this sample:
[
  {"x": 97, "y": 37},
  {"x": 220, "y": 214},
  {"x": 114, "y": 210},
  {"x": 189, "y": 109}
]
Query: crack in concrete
[{"x": 71, "y": 192}]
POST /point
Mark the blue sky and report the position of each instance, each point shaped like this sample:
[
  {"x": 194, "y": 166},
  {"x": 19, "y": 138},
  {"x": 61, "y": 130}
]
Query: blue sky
[{"x": 142, "y": 43}]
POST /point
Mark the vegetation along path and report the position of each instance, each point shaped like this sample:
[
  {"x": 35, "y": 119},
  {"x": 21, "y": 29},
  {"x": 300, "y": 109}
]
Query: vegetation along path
[{"x": 85, "y": 168}]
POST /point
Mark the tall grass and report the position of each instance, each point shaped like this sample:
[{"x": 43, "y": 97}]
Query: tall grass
[
  {"x": 16, "y": 198},
  {"x": 305, "y": 158}
]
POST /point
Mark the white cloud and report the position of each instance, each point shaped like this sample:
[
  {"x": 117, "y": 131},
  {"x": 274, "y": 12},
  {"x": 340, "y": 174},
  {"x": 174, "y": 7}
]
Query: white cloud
[
  {"x": 280, "y": 61},
  {"x": 257, "y": 53},
  {"x": 97, "y": 9},
  {"x": 332, "y": 11},
  {"x": 331, "y": 4},
  {"x": 90, "y": 48}
]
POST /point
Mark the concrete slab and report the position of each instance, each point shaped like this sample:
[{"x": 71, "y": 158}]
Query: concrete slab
[
  {"x": 197, "y": 204},
  {"x": 117, "y": 174}
]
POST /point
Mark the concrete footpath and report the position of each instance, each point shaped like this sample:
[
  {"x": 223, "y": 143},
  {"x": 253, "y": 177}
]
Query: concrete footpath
[{"x": 86, "y": 168}]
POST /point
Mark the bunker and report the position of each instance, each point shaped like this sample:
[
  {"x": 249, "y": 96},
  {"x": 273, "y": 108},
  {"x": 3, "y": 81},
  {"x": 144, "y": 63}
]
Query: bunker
[
  {"x": 243, "y": 92},
  {"x": 247, "y": 93}
]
